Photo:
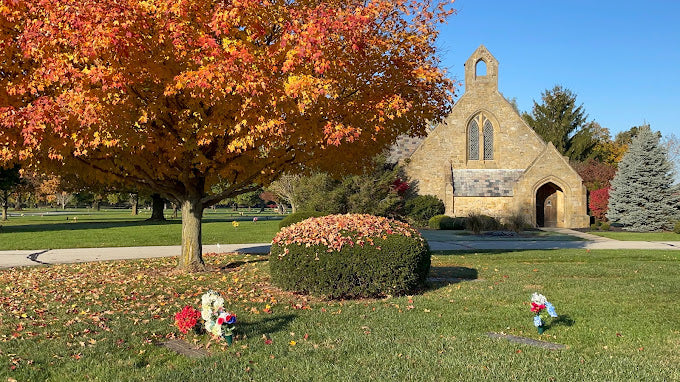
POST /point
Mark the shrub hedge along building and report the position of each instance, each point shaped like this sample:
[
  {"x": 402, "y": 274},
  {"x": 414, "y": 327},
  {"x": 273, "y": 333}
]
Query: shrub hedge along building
[{"x": 484, "y": 159}]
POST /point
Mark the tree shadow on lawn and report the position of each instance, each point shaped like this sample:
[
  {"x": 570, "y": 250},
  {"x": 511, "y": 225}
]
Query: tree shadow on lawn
[
  {"x": 447, "y": 275},
  {"x": 238, "y": 263},
  {"x": 463, "y": 252},
  {"x": 73, "y": 226},
  {"x": 266, "y": 326}
]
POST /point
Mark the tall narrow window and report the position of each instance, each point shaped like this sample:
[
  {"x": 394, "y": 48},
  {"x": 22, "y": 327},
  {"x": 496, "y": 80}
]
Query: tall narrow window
[
  {"x": 488, "y": 140},
  {"x": 480, "y": 136},
  {"x": 473, "y": 140}
]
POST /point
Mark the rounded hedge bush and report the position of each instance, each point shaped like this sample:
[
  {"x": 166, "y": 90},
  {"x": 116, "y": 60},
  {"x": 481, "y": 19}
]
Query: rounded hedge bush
[
  {"x": 349, "y": 256},
  {"x": 676, "y": 229},
  {"x": 441, "y": 222},
  {"x": 298, "y": 217},
  {"x": 420, "y": 209}
]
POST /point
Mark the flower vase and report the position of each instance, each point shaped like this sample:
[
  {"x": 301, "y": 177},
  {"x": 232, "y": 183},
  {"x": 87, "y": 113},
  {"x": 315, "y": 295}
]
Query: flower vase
[
  {"x": 229, "y": 338},
  {"x": 541, "y": 329}
]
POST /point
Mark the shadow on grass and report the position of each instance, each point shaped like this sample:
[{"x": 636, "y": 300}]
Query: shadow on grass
[
  {"x": 71, "y": 225},
  {"x": 236, "y": 264},
  {"x": 443, "y": 276},
  {"x": 266, "y": 325},
  {"x": 458, "y": 252},
  {"x": 562, "y": 320}
]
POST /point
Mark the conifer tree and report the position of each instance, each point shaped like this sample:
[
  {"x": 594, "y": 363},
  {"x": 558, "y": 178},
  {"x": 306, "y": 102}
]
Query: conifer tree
[
  {"x": 558, "y": 119},
  {"x": 642, "y": 197}
]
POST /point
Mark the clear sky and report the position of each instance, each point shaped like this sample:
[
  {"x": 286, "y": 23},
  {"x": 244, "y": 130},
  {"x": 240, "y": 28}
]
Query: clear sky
[{"x": 621, "y": 58}]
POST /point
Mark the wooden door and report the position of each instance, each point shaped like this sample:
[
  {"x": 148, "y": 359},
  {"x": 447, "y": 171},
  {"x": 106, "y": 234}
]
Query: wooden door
[{"x": 550, "y": 211}]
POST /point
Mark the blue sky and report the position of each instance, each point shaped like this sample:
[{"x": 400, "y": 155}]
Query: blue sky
[{"x": 621, "y": 58}]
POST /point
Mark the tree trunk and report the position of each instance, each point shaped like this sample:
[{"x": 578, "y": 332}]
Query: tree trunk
[
  {"x": 134, "y": 200},
  {"x": 191, "y": 258},
  {"x": 95, "y": 205},
  {"x": 157, "y": 207},
  {"x": 17, "y": 204},
  {"x": 174, "y": 209},
  {"x": 5, "y": 204}
]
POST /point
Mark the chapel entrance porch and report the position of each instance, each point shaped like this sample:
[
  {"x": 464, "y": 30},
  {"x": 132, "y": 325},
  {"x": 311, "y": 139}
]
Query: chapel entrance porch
[{"x": 549, "y": 206}]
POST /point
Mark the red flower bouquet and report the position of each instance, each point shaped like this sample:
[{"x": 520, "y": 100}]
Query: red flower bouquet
[{"x": 187, "y": 319}]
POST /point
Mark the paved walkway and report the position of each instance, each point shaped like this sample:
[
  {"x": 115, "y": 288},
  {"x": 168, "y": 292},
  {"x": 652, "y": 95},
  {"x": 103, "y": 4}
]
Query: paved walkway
[
  {"x": 78, "y": 255},
  {"x": 81, "y": 255},
  {"x": 579, "y": 234}
]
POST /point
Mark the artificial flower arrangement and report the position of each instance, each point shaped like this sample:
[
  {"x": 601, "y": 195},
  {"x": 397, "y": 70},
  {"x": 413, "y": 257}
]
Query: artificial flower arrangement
[
  {"x": 187, "y": 319},
  {"x": 541, "y": 309},
  {"x": 218, "y": 322}
]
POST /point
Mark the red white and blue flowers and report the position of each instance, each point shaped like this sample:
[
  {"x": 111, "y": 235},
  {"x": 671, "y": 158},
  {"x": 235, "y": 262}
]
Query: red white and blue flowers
[
  {"x": 218, "y": 322},
  {"x": 541, "y": 308}
]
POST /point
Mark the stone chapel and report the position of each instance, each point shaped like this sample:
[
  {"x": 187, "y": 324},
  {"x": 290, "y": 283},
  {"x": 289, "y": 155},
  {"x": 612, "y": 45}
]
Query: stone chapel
[{"x": 484, "y": 159}]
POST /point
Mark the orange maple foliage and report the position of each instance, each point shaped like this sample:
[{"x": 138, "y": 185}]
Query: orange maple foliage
[{"x": 177, "y": 96}]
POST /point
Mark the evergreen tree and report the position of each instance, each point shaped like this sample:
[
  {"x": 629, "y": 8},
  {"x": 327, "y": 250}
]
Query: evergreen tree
[
  {"x": 559, "y": 120},
  {"x": 642, "y": 197},
  {"x": 381, "y": 189}
]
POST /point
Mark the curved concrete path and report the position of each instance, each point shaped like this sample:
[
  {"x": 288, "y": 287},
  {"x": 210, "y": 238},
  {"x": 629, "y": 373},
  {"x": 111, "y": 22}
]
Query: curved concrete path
[
  {"x": 81, "y": 255},
  {"x": 78, "y": 255}
]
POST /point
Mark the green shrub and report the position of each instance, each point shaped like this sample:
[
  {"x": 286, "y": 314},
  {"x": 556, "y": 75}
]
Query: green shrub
[
  {"x": 459, "y": 223},
  {"x": 595, "y": 226},
  {"x": 349, "y": 256},
  {"x": 605, "y": 226},
  {"x": 478, "y": 223},
  {"x": 441, "y": 222},
  {"x": 421, "y": 208},
  {"x": 676, "y": 229},
  {"x": 298, "y": 217}
]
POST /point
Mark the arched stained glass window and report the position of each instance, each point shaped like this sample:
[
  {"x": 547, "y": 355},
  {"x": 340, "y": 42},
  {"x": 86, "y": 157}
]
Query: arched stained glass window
[
  {"x": 488, "y": 140},
  {"x": 473, "y": 140}
]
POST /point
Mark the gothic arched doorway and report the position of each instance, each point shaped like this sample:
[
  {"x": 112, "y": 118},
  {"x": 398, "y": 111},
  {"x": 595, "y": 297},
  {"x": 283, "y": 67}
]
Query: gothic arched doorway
[{"x": 549, "y": 202}]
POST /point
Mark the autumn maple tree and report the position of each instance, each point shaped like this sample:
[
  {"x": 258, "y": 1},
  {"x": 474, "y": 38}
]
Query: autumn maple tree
[{"x": 201, "y": 100}]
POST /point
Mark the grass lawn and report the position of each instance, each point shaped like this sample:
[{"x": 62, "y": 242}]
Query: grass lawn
[
  {"x": 119, "y": 229},
  {"x": 101, "y": 321},
  {"x": 638, "y": 236},
  {"x": 40, "y": 229}
]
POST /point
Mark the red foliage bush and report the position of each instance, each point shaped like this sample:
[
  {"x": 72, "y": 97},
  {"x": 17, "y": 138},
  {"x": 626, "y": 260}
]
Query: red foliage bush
[
  {"x": 598, "y": 203},
  {"x": 595, "y": 174}
]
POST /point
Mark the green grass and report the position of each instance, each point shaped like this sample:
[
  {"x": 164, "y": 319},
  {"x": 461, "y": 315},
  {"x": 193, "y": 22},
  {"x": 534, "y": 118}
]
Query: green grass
[
  {"x": 101, "y": 321},
  {"x": 38, "y": 229},
  {"x": 638, "y": 236},
  {"x": 119, "y": 229}
]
